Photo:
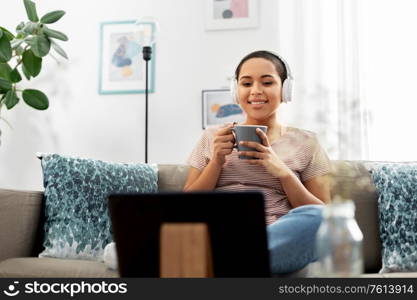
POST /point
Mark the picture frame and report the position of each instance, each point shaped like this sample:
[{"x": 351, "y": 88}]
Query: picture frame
[
  {"x": 121, "y": 66},
  {"x": 231, "y": 14},
  {"x": 218, "y": 108}
]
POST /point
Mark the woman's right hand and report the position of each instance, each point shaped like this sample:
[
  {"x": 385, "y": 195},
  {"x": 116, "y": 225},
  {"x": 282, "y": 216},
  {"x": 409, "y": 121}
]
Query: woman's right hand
[{"x": 223, "y": 144}]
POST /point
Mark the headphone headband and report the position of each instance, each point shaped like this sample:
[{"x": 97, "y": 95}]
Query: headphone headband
[{"x": 284, "y": 62}]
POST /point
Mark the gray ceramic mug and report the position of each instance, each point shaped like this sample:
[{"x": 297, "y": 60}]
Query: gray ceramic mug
[{"x": 247, "y": 133}]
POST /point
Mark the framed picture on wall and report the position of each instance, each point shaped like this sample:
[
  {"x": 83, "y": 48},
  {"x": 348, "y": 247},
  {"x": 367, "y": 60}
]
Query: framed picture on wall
[
  {"x": 122, "y": 68},
  {"x": 219, "y": 108},
  {"x": 231, "y": 14}
]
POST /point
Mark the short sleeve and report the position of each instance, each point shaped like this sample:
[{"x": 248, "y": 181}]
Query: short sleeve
[
  {"x": 201, "y": 154},
  {"x": 319, "y": 163}
]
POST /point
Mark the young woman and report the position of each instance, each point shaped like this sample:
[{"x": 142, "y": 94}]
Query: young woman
[{"x": 289, "y": 167}]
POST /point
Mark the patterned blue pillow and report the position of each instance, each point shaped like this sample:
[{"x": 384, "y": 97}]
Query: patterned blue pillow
[
  {"x": 77, "y": 221},
  {"x": 396, "y": 184}
]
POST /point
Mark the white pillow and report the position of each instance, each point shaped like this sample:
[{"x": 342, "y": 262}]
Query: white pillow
[{"x": 110, "y": 256}]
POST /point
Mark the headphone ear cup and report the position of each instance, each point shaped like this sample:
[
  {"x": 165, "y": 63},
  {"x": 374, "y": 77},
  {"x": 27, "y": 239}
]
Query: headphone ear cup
[
  {"x": 233, "y": 91},
  {"x": 287, "y": 90}
]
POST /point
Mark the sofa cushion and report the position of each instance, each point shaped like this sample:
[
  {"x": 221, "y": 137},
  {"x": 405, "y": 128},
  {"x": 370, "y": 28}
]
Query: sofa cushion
[
  {"x": 77, "y": 222},
  {"x": 351, "y": 180},
  {"x": 20, "y": 222},
  {"x": 53, "y": 267},
  {"x": 397, "y": 190},
  {"x": 172, "y": 177}
]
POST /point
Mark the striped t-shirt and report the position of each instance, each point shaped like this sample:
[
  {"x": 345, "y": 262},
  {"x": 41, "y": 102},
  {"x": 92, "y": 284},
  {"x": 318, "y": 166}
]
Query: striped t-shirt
[{"x": 299, "y": 149}]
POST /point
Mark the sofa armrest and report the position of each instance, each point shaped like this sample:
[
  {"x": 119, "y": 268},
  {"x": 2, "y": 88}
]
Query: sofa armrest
[
  {"x": 20, "y": 223},
  {"x": 352, "y": 181}
]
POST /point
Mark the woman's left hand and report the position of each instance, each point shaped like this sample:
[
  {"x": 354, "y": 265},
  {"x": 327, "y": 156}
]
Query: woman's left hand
[{"x": 265, "y": 156}]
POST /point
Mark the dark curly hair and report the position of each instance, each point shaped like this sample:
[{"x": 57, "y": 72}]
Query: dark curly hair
[{"x": 273, "y": 58}]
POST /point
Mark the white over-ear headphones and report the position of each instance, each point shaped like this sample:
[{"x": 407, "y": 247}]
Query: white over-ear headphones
[{"x": 287, "y": 85}]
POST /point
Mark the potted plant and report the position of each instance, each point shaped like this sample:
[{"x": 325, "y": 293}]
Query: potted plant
[{"x": 23, "y": 53}]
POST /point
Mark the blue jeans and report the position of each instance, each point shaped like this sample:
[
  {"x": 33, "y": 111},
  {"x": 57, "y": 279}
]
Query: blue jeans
[{"x": 291, "y": 239}]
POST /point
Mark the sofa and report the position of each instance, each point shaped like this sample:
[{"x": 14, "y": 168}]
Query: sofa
[{"x": 21, "y": 226}]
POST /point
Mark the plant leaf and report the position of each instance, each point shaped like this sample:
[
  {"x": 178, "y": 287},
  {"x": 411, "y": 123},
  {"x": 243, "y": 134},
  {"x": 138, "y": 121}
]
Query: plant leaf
[
  {"x": 52, "y": 17},
  {"x": 16, "y": 43},
  {"x": 5, "y": 84},
  {"x": 5, "y": 49},
  {"x": 19, "y": 51},
  {"x": 55, "y": 34},
  {"x": 1, "y": 33},
  {"x": 35, "y": 99},
  {"x": 40, "y": 45},
  {"x": 11, "y": 99},
  {"x": 58, "y": 49},
  {"x": 5, "y": 71},
  {"x": 30, "y": 28},
  {"x": 32, "y": 63},
  {"x": 21, "y": 35},
  {"x": 15, "y": 76},
  {"x": 31, "y": 10},
  {"x": 20, "y": 26},
  {"x": 8, "y": 34},
  {"x": 26, "y": 72}
]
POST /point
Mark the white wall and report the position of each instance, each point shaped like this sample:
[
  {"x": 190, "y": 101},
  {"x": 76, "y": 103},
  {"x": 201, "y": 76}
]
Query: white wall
[
  {"x": 390, "y": 65},
  {"x": 82, "y": 123}
]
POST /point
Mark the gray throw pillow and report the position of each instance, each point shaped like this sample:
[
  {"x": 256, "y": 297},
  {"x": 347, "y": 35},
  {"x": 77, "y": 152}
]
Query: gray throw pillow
[{"x": 77, "y": 221}]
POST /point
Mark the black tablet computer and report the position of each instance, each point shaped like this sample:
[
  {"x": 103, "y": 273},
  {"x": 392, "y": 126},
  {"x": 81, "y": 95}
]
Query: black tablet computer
[{"x": 235, "y": 221}]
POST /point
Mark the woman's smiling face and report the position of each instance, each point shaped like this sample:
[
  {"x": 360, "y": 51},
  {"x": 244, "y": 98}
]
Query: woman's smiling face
[{"x": 259, "y": 89}]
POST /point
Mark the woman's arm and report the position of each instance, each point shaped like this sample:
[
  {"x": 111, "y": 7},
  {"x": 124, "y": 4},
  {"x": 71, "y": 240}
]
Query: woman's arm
[
  {"x": 320, "y": 187},
  {"x": 203, "y": 180},
  {"x": 197, "y": 180},
  {"x": 314, "y": 191}
]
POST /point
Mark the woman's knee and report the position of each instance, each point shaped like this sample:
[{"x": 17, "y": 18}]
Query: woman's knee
[
  {"x": 308, "y": 209},
  {"x": 307, "y": 214},
  {"x": 292, "y": 238},
  {"x": 298, "y": 224}
]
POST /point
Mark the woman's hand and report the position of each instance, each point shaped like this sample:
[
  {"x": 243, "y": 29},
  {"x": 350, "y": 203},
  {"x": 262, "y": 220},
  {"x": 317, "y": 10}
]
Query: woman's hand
[
  {"x": 223, "y": 144},
  {"x": 265, "y": 156}
]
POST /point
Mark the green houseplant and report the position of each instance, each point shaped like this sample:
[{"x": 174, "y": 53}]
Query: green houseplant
[{"x": 23, "y": 54}]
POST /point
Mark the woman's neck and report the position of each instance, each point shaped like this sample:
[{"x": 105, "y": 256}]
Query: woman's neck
[{"x": 272, "y": 123}]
